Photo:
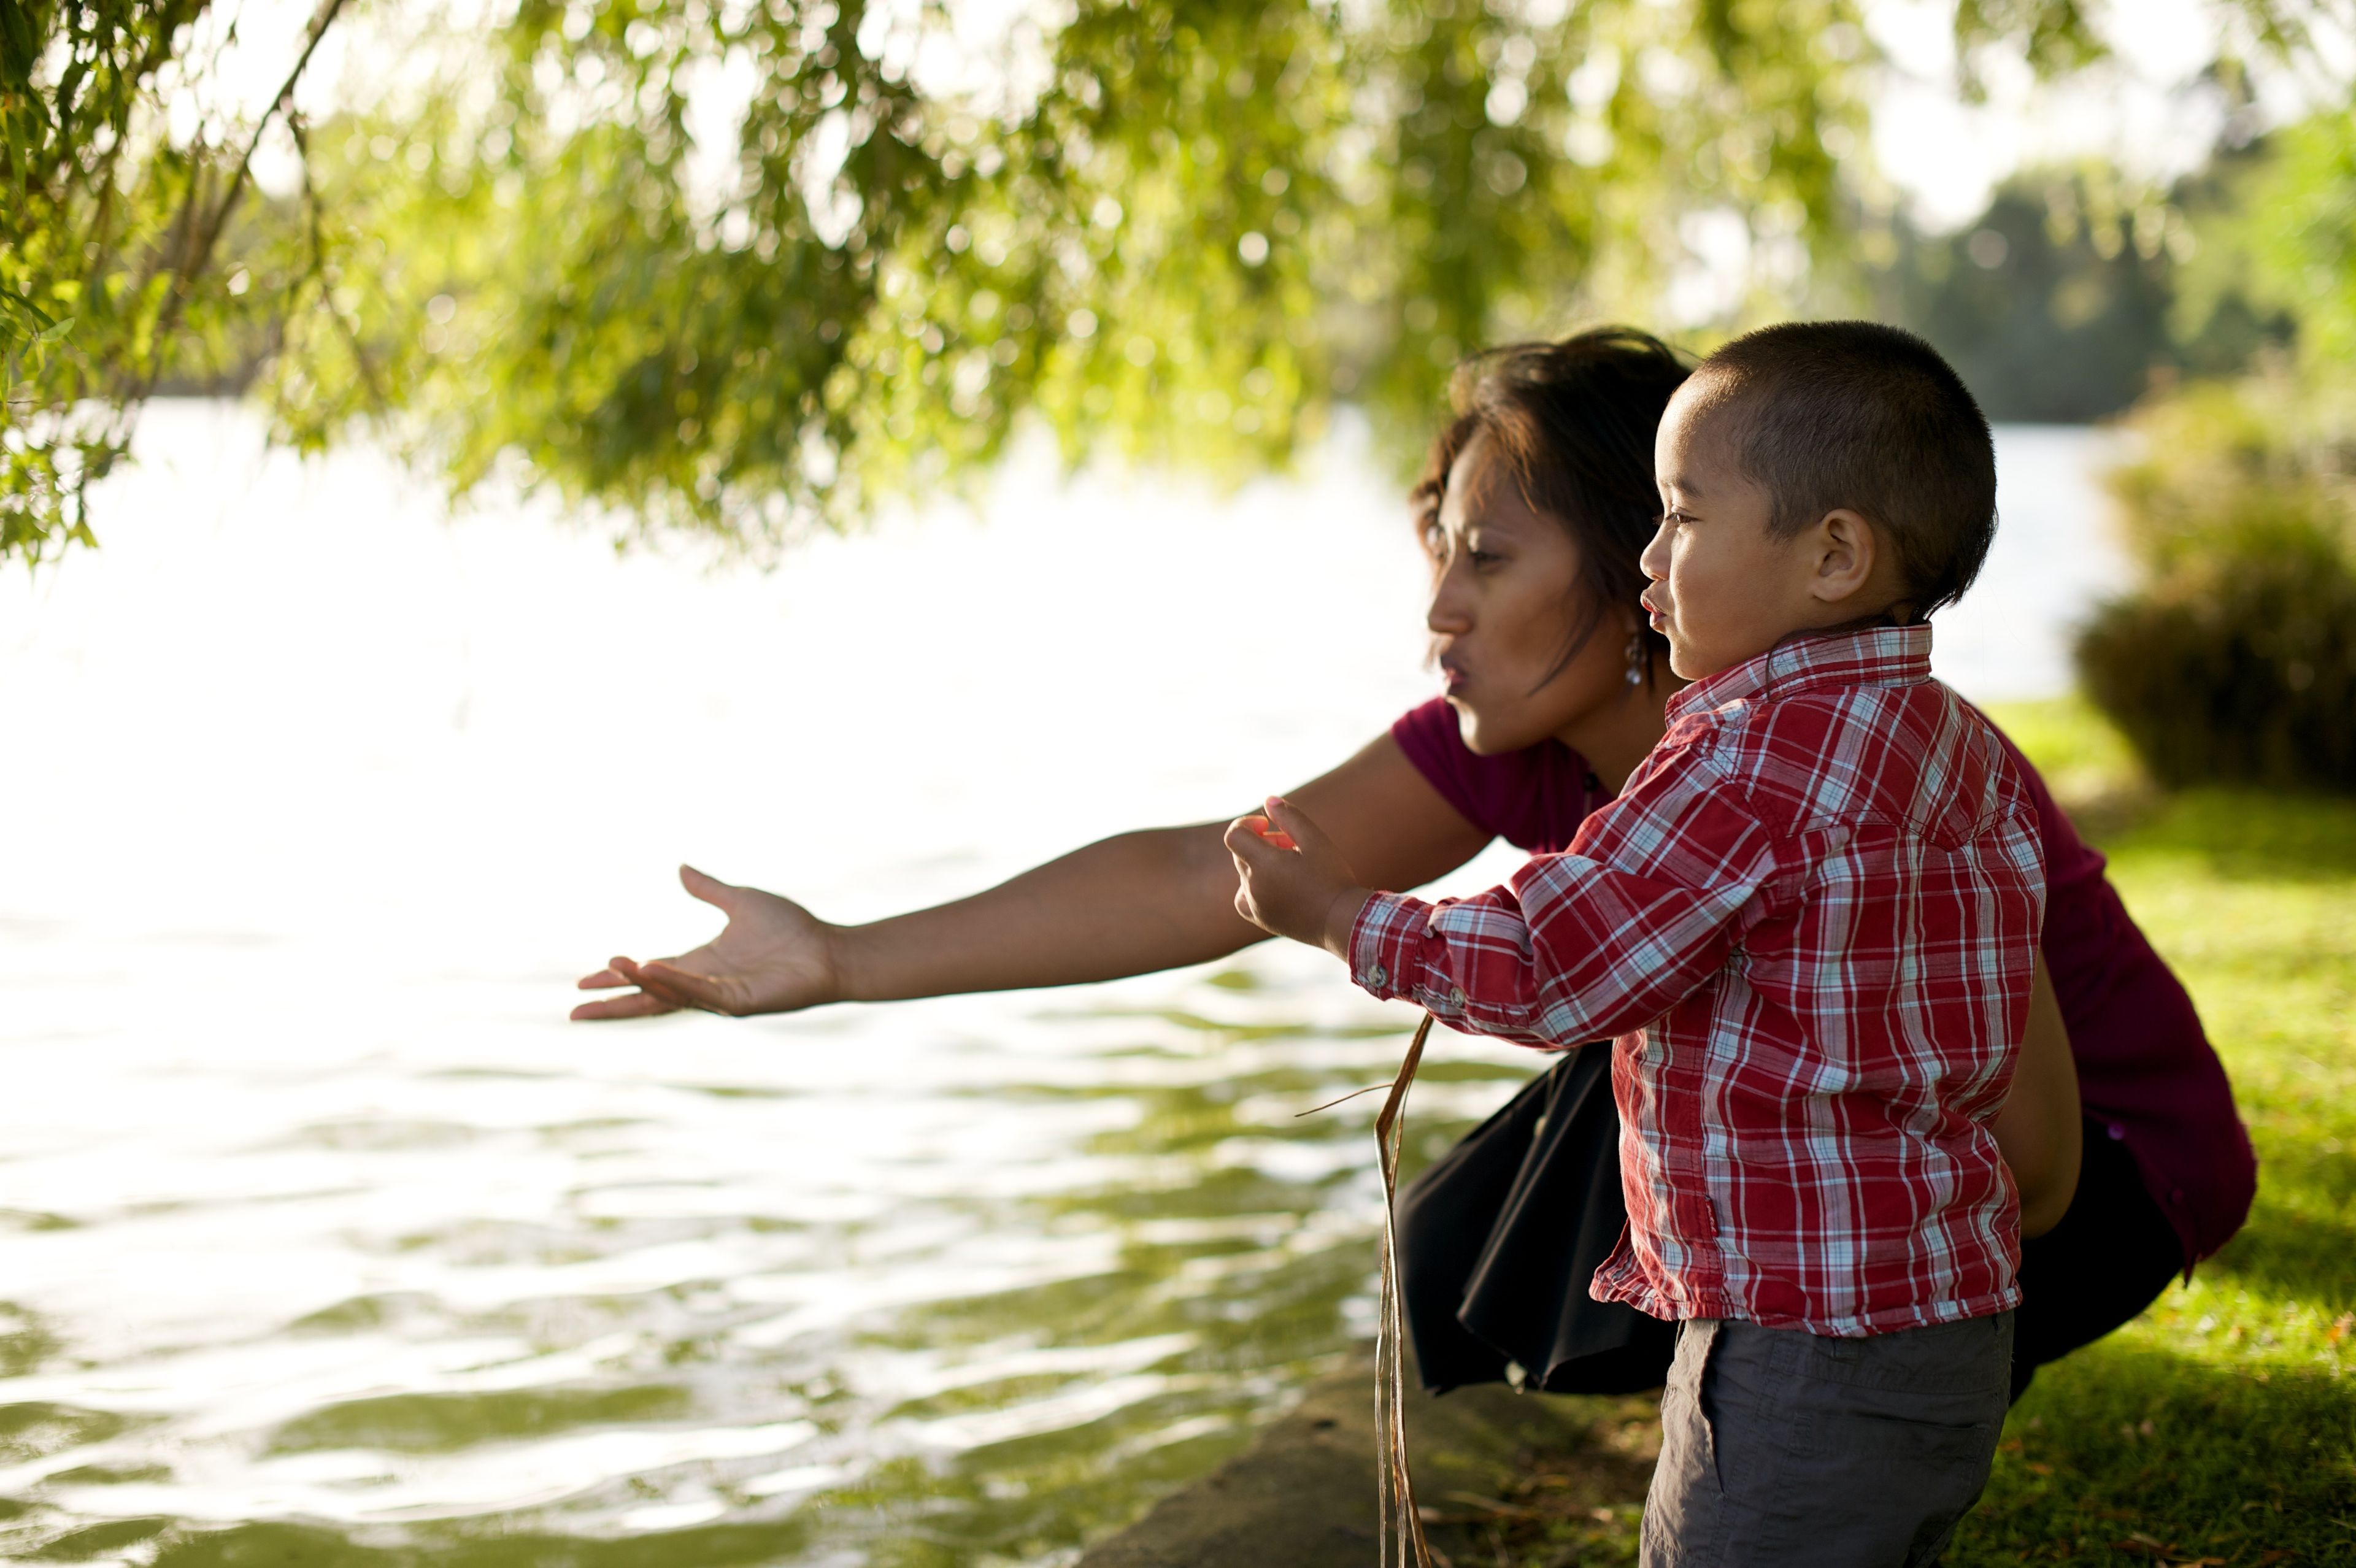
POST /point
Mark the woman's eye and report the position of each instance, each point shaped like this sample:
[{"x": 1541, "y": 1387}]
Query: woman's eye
[{"x": 1483, "y": 557}]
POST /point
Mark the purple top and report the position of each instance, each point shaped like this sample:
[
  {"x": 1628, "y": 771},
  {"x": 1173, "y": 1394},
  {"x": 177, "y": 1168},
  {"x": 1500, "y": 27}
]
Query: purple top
[{"x": 2146, "y": 1071}]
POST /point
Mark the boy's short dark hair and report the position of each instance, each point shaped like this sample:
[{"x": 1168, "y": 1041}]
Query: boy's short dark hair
[{"x": 1830, "y": 414}]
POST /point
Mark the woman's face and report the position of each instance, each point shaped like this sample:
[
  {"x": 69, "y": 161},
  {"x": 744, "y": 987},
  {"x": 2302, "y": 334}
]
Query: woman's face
[{"x": 1504, "y": 603}]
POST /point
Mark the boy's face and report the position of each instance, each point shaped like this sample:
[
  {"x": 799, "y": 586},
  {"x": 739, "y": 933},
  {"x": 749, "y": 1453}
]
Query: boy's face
[{"x": 1724, "y": 589}]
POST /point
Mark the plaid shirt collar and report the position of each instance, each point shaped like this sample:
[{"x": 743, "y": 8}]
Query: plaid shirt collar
[{"x": 1877, "y": 656}]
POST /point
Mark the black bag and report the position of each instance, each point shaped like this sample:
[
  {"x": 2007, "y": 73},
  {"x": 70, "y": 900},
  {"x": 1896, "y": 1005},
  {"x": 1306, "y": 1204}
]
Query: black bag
[{"x": 1499, "y": 1238}]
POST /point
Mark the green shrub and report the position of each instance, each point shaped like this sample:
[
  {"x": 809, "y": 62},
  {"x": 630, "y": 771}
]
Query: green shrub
[
  {"x": 2235, "y": 661},
  {"x": 2245, "y": 674}
]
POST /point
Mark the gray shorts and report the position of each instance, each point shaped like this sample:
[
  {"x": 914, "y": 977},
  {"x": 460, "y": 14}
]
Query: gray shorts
[{"x": 1780, "y": 1447}]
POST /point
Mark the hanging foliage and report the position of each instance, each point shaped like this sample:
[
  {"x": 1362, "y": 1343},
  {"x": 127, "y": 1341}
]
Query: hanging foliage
[{"x": 748, "y": 266}]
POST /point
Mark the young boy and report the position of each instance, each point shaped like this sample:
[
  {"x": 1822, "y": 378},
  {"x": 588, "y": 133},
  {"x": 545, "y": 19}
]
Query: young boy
[{"x": 1811, "y": 920}]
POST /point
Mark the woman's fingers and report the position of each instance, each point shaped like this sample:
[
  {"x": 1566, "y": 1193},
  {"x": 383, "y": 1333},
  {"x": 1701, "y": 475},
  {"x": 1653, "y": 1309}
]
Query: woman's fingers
[
  {"x": 680, "y": 986},
  {"x": 662, "y": 988},
  {"x": 637, "y": 1005}
]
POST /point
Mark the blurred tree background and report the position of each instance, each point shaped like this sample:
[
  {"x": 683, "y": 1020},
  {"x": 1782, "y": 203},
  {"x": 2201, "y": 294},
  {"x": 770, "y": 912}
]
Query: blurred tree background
[
  {"x": 749, "y": 267},
  {"x": 2235, "y": 660}
]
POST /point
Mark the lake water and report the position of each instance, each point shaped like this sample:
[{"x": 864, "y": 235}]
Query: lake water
[{"x": 325, "y": 1239}]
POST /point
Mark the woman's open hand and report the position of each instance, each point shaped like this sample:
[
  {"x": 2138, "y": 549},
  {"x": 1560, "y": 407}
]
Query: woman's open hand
[
  {"x": 1291, "y": 880},
  {"x": 773, "y": 956}
]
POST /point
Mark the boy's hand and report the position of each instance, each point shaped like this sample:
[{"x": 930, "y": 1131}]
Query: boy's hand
[{"x": 1291, "y": 880}]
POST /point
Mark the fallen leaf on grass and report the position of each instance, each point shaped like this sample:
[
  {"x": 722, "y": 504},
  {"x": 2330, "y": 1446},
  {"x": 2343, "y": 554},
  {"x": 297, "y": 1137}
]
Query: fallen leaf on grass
[
  {"x": 2038, "y": 1468},
  {"x": 2340, "y": 1327}
]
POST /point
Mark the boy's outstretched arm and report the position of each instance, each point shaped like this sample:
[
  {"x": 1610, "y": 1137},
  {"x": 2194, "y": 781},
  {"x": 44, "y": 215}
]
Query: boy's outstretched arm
[
  {"x": 1571, "y": 950},
  {"x": 1598, "y": 941}
]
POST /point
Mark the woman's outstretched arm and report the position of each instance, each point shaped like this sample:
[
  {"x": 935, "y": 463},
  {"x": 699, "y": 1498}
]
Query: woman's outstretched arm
[{"x": 1125, "y": 905}]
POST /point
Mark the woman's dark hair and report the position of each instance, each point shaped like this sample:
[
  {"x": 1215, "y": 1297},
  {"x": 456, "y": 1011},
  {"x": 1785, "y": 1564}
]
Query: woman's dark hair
[{"x": 1572, "y": 422}]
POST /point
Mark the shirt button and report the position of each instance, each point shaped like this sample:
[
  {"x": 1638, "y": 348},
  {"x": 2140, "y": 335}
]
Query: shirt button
[
  {"x": 1455, "y": 995},
  {"x": 2118, "y": 1131},
  {"x": 1377, "y": 974}
]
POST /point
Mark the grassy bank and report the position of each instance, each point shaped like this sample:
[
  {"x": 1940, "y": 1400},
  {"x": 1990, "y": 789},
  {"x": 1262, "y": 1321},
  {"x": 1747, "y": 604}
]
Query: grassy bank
[
  {"x": 2222, "y": 1424},
  {"x": 2220, "y": 1428}
]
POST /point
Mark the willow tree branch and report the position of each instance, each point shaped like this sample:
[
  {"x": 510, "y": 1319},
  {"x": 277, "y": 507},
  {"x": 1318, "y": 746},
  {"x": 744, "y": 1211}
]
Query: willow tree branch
[{"x": 203, "y": 236}]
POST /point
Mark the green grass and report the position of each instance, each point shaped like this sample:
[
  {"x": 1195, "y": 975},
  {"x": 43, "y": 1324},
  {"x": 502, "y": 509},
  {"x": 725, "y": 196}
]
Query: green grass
[
  {"x": 2220, "y": 1427},
  {"x": 2221, "y": 1424}
]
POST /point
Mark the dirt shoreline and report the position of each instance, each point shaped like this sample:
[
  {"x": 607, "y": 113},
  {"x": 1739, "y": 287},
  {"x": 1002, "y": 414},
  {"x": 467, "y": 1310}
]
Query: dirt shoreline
[{"x": 1502, "y": 1476}]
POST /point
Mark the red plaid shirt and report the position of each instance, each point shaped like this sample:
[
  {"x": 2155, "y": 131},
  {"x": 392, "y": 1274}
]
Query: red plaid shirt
[{"x": 1810, "y": 919}]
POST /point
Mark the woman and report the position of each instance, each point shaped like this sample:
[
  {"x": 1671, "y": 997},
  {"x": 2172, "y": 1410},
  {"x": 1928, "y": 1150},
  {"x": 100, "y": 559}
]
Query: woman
[{"x": 1537, "y": 502}]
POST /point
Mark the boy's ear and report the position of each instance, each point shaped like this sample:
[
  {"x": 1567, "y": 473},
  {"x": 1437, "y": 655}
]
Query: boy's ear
[{"x": 1845, "y": 550}]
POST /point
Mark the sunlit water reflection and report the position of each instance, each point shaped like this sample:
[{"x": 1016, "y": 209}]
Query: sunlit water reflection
[{"x": 323, "y": 1238}]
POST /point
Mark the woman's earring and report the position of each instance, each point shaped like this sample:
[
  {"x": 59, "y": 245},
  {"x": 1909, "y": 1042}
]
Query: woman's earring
[{"x": 1640, "y": 661}]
